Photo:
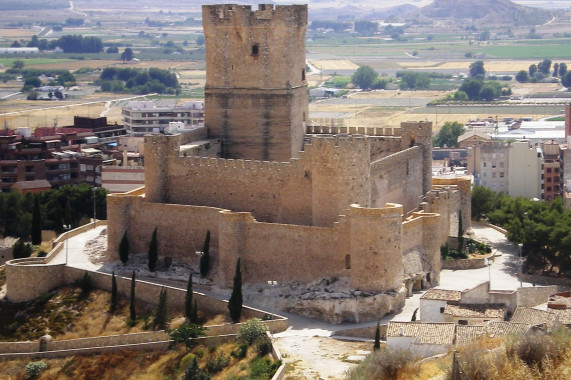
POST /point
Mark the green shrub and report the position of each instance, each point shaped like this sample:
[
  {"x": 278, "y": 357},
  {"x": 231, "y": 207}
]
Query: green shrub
[
  {"x": 187, "y": 334},
  {"x": 261, "y": 368},
  {"x": 240, "y": 352},
  {"x": 199, "y": 352},
  {"x": 263, "y": 345},
  {"x": 251, "y": 330},
  {"x": 217, "y": 363},
  {"x": 187, "y": 360},
  {"x": 33, "y": 369}
]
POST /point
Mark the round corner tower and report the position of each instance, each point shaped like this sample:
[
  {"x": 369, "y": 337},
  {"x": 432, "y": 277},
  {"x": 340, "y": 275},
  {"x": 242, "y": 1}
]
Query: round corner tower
[{"x": 256, "y": 91}]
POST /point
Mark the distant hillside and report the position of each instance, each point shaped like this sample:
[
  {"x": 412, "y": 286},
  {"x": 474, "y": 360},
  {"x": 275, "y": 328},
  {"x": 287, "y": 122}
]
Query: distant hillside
[{"x": 488, "y": 11}]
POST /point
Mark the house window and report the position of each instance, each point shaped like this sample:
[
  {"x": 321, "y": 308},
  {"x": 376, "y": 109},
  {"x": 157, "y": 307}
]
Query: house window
[
  {"x": 501, "y": 174},
  {"x": 441, "y": 310},
  {"x": 302, "y": 74},
  {"x": 462, "y": 322},
  {"x": 549, "y": 170},
  {"x": 347, "y": 261},
  {"x": 255, "y": 49}
]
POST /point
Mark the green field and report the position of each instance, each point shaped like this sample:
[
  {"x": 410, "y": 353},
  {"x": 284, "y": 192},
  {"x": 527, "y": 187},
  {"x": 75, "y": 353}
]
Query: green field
[
  {"x": 539, "y": 49},
  {"x": 373, "y": 47},
  {"x": 7, "y": 61}
]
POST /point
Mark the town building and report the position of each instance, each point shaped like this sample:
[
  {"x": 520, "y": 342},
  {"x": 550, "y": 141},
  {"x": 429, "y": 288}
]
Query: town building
[
  {"x": 524, "y": 175},
  {"x": 142, "y": 117},
  {"x": 60, "y": 156},
  {"x": 552, "y": 180}
]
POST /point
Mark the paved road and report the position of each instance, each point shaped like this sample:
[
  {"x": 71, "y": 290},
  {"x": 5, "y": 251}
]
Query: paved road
[
  {"x": 502, "y": 272},
  {"x": 306, "y": 343}
]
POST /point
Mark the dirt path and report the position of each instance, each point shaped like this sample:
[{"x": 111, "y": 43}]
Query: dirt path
[{"x": 318, "y": 357}]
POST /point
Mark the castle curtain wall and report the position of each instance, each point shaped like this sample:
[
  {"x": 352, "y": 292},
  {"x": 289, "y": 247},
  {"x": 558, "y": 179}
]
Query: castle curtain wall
[{"x": 398, "y": 179}]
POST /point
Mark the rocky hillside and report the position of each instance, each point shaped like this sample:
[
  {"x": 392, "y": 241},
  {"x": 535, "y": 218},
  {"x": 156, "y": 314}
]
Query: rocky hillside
[{"x": 486, "y": 12}]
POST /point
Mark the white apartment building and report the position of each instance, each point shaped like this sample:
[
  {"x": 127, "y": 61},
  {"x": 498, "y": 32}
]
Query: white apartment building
[
  {"x": 494, "y": 167},
  {"x": 150, "y": 117},
  {"x": 524, "y": 178}
]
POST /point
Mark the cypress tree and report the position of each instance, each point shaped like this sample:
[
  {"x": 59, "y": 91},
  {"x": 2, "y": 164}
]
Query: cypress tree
[
  {"x": 194, "y": 314},
  {"x": 124, "y": 249},
  {"x": 205, "y": 258},
  {"x": 460, "y": 231},
  {"x": 235, "y": 302},
  {"x": 132, "y": 313},
  {"x": 153, "y": 253},
  {"x": 188, "y": 299},
  {"x": 161, "y": 315},
  {"x": 113, "y": 293},
  {"x": 36, "y": 222},
  {"x": 377, "y": 344}
]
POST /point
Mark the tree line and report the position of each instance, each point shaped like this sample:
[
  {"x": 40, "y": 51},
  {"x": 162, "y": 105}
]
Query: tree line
[
  {"x": 138, "y": 81},
  {"x": 69, "y": 205},
  {"x": 69, "y": 43},
  {"x": 543, "y": 229}
]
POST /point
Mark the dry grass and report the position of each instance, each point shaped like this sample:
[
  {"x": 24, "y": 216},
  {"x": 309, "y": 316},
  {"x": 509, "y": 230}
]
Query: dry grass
[
  {"x": 17, "y": 33},
  {"x": 335, "y": 64},
  {"x": 526, "y": 357},
  {"x": 131, "y": 365}
]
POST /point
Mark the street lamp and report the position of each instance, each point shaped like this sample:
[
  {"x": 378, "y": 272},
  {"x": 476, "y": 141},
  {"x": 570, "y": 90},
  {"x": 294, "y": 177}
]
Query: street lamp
[
  {"x": 66, "y": 227},
  {"x": 519, "y": 263},
  {"x": 94, "y": 209}
]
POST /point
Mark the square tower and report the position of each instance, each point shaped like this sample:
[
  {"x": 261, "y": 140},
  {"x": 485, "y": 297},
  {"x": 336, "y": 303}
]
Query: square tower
[{"x": 256, "y": 91}]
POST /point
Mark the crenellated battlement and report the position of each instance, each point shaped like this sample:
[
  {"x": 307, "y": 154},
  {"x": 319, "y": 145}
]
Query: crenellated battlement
[
  {"x": 225, "y": 14},
  {"x": 337, "y": 141},
  {"x": 368, "y": 131}
]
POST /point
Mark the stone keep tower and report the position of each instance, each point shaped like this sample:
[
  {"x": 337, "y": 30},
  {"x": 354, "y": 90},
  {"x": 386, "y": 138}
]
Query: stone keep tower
[{"x": 256, "y": 92}]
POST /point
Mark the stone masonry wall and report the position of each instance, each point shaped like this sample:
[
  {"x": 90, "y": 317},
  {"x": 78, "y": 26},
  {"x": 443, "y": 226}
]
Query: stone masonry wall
[
  {"x": 315, "y": 189},
  {"x": 282, "y": 252},
  {"x": 256, "y": 91},
  {"x": 181, "y": 229},
  {"x": 398, "y": 179}
]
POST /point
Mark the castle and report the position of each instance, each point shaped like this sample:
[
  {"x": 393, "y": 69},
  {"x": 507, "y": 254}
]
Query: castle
[{"x": 294, "y": 202}]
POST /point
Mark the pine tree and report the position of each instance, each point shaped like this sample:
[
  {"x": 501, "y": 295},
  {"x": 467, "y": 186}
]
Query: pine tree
[
  {"x": 235, "y": 302},
  {"x": 377, "y": 344},
  {"x": 161, "y": 315},
  {"x": 132, "y": 313},
  {"x": 36, "y": 222},
  {"x": 153, "y": 253},
  {"x": 113, "y": 293},
  {"x": 205, "y": 258},
  {"x": 188, "y": 299},
  {"x": 124, "y": 249}
]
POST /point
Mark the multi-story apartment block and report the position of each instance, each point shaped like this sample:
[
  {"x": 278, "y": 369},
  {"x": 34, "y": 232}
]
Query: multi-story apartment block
[
  {"x": 552, "y": 185},
  {"x": 60, "y": 156},
  {"x": 524, "y": 178},
  {"x": 149, "y": 117},
  {"x": 494, "y": 166}
]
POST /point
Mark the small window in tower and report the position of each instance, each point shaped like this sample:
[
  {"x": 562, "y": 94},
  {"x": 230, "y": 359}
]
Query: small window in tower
[
  {"x": 255, "y": 49},
  {"x": 302, "y": 74}
]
